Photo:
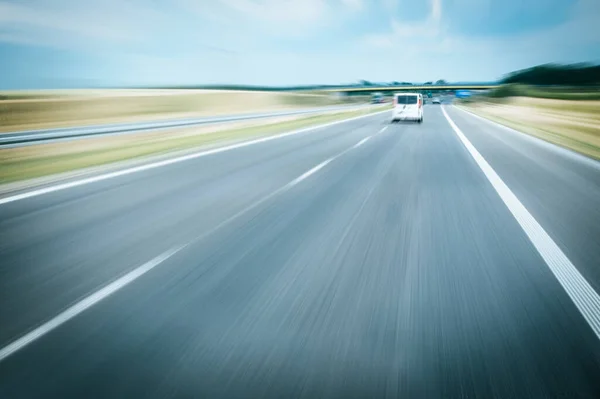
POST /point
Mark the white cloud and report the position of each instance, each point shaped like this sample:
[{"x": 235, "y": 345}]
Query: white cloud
[
  {"x": 355, "y": 5},
  {"x": 429, "y": 36},
  {"x": 409, "y": 34},
  {"x": 390, "y": 5},
  {"x": 241, "y": 23},
  {"x": 62, "y": 21},
  {"x": 21, "y": 17},
  {"x": 558, "y": 43},
  {"x": 177, "y": 39},
  {"x": 582, "y": 27},
  {"x": 436, "y": 11},
  {"x": 280, "y": 11},
  {"x": 263, "y": 20},
  {"x": 278, "y": 18},
  {"x": 378, "y": 41}
]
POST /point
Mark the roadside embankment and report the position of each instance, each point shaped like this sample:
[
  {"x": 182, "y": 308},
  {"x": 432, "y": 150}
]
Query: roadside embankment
[
  {"x": 68, "y": 108},
  {"x": 30, "y": 162},
  {"x": 574, "y": 124}
]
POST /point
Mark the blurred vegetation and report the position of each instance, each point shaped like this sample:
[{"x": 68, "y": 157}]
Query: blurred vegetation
[
  {"x": 570, "y": 124},
  {"x": 551, "y": 81},
  {"x": 555, "y": 92},
  {"x": 556, "y": 75},
  {"x": 23, "y": 163},
  {"x": 24, "y": 111},
  {"x": 557, "y": 103}
]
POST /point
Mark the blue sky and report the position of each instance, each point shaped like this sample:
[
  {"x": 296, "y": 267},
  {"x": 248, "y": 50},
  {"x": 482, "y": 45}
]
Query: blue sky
[{"x": 75, "y": 43}]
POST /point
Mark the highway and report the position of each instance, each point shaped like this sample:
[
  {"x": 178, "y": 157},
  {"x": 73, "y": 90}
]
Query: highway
[
  {"x": 449, "y": 259},
  {"x": 44, "y": 136}
]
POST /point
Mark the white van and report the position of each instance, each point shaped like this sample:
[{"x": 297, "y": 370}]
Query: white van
[{"x": 408, "y": 106}]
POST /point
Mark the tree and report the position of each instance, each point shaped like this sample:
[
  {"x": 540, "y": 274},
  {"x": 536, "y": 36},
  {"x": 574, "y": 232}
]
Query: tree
[
  {"x": 365, "y": 83},
  {"x": 428, "y": 83},
  {"x": 441, "y": 82}
]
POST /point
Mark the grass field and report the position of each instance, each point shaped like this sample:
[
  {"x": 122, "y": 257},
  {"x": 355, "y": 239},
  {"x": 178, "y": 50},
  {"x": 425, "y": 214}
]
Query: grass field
[
  {"x": 574, "y": 124},
  {"x": 49, "y": 109},
  {"x": 29, "y": 162},
  {"x": 506, "y": 92}
]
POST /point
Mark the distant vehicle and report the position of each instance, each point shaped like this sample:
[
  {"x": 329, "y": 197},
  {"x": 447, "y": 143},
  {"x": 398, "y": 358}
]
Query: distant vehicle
[
  {"x": 408, "y": 106},
  {"x": 377, "y": 98},
  {"x": 436, "y": 100},
  {"x": 463, "y": 93}
]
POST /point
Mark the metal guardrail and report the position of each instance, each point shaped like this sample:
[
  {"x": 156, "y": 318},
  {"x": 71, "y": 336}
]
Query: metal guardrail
[{"x": 31, "y": 137}]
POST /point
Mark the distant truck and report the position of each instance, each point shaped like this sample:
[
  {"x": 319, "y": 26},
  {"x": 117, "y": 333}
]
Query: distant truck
[{"x": 463, "y": 93}]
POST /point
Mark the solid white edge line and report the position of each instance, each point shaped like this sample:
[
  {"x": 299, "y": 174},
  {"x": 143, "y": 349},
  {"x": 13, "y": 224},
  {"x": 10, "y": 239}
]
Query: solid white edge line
[
  {"x": 170, "y": 161},
  {"x": 85, "y": 304},
  {"x": 536, "y": 140},
  {"x": 579, "y": 290}
]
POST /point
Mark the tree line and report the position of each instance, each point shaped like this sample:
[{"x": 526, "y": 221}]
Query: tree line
[{"x": 556, "y": 74}]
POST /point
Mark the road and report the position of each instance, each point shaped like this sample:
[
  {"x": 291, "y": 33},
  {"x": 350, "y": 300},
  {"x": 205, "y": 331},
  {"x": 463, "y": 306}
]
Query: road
[
  {"x": 361, "y": 260},
  {"x": 44, "y": 136}
]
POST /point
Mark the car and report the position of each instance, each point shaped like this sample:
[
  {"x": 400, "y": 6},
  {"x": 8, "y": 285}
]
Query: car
[
  {"x": 436, "y": 100},
  {"x": 377, "y": 98},
  {"x": 408, "y": 106}
]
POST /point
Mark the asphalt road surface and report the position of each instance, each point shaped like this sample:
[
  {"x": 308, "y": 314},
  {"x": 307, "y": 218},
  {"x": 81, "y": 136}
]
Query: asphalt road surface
[{"x": 362, "y": 260}]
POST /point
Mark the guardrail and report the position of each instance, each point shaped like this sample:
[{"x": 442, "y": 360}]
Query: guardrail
[{"x": 32, "y": 137}]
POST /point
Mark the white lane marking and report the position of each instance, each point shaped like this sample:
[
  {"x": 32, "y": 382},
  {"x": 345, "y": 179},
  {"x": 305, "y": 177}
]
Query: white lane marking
[
  {"x": 310, "y": 172},
  {"x": 361, "y": 142},
  {"x": 383, "y": 129},
  {"x": 576, "y": 286},
  {"x": 171, "y": 161},
  {"x": 535, "y": 140},
  {"x": 86, "y": 303},
  {"x": 121, "y": 282}
]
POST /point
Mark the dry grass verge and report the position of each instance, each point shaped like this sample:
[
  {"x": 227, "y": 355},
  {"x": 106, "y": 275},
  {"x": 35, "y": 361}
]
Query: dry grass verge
[
  {"x": 52, "y": 109},
  {"x": 571, "y": 124},
  {"x": 29, "y": 162}
]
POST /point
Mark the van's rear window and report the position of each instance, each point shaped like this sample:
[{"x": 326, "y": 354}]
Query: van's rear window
[{"x": 407, "y": 99}]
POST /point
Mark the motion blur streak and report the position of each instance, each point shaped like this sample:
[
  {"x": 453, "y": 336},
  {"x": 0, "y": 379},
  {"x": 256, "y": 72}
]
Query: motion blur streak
[
  {"x": 85, "y": 304},
  {"x": 166, "y": 162},
  {"x": 143, "y": 269},
  {"x": 580, "y": 291},
  {"x": 395, "y": 270}
]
